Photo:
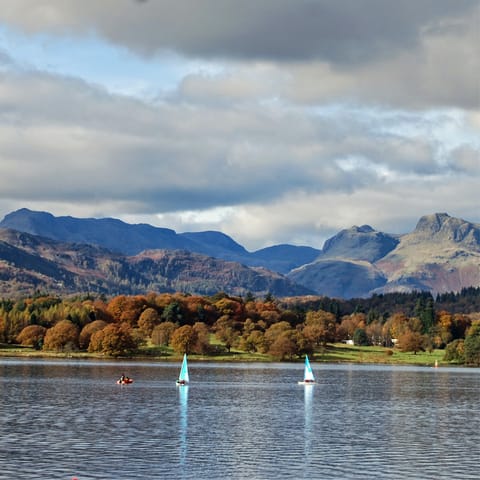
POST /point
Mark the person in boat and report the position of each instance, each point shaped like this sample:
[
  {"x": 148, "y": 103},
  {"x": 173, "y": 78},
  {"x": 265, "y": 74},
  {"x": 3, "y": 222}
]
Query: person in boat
[
  {"x": 181, "y": 382},
  {"x": 123, "y": 378}
]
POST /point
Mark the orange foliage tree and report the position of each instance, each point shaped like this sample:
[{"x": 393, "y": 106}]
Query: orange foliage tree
[
  {"x": 88, "y": 330},
  {"x": 115, "y": 340},
  {"x": 32, "y": 336},
  {"x": 127, "y": 308},
  {"x": 183, "y": 339},
  {"x": 63, "y": 336},
  {"x": 149, "y": 318},
  {"x": 162, "y": 333},
  {"x": 320, "y": 327}
]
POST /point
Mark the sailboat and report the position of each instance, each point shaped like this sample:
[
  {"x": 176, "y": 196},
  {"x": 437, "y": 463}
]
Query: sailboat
[
  {"x": 183, "y": 378},
  {"x": 308, "y": 378}
]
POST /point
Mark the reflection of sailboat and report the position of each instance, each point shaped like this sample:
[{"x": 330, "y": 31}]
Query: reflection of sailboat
[
  {"x": 308, "y": 378},
  {"x": 183, "y": 397},
  {"x": 308, "y": 435},
  {"x": 183, "y": 378}
]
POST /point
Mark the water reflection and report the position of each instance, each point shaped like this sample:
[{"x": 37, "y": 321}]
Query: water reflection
[
  {"x": 238, "y": 422},
  {"x": 183, "y": 418},
  {"x": 308, "y": 430}
]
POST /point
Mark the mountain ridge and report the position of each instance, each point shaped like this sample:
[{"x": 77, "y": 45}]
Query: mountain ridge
[
  {"x": 131, "y": 239},
  {"x": 442, "y": 254},
  {"x": 29, "y": 263}
]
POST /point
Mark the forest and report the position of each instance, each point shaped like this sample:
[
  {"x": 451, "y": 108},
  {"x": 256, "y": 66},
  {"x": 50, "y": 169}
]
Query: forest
[{"x": 284, "y": 328}]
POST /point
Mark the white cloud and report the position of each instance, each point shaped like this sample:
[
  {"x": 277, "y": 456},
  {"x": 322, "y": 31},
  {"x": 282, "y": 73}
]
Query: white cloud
[{"x": 269, "y": 132}]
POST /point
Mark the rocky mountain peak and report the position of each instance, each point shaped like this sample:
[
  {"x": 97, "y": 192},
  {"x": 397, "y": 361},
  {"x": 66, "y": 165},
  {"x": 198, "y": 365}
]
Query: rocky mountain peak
[
  {"x": 443, "y": 227},
  {"x": 359, "y": 243}
]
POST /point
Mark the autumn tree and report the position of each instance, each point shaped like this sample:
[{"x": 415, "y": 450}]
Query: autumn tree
[
  {"x": 319, "y": 327},
  {"x": 225, "y": 331},
  {"x": 284, "y": 345},
  {"x": 253, "y": 341},
  {"x": 395, "y": 325},
  {"x": 274, "y": 331},
  {"x": 115, "y": 340},
  {"x": 202, "y": 338},
  {"x": 183, "y": 339},
  {"x": 88, "y": 330},
  {"x": 147, "y": 321},
  {"x": 472, "y": 345},
  {"x": 162, "y": 333},
  {"x": 374, "y": 332},
  {"x": 63, "y": 336},
  {"x": 349, "y": 324},
  {"x": 455, "y": 351},
  {"x": 444, "y": 327},
  {"x": 411, "y": 341},
  {"x": 230, "y": 307},
  {"x": 32, "y": 336},
  {"x": 127, "y": 308}
]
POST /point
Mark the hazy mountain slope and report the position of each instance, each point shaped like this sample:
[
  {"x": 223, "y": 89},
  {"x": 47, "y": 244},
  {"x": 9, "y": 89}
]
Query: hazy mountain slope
[
  {"x": 29, "y": 263},
  {"x": 195, "y": 273},
  {"x": 283, "y": 258},
  {"x": 441, "y": 254},
  {"x": 339, "y": 278},
  {"x": 359, "y": 243},
  {"x": 128, "y": 239},
  {"x": 345, "y": 266},
  {"x": 110, "y": 233}
]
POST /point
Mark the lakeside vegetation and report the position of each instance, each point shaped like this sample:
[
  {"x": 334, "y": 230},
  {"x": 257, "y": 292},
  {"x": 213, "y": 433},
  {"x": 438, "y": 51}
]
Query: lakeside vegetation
[
  {"x": 410, "y": 328},
  {"x": 333, "y": 353}
]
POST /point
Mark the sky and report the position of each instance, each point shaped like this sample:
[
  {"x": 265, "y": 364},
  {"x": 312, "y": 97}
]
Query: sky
[{"x": 280, "y": 121}]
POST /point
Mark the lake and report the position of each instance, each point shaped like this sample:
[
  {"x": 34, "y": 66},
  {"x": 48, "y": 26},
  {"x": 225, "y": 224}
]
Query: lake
[{"x": 68, "y": 418}]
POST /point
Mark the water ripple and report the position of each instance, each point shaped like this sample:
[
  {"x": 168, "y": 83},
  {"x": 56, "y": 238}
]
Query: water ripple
[{"x": 60, "y": 420}]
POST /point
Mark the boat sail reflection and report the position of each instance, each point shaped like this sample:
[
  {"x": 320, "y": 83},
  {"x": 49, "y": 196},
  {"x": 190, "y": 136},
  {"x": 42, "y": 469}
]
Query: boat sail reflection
[
  {"x": 183, "y": 426},
  {"x": 308, "y": 428}
]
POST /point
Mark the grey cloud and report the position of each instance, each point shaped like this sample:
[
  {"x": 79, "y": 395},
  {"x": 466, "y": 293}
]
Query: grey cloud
[
  {"x": 64, "y": 140},
  {"x": 342, "y": 32},
  {"x": 409, "y": 53}
]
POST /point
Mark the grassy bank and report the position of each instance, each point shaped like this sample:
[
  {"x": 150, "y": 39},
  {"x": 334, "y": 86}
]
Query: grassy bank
[
  {"x": 341, "y": 353},
  {"x": 337, "y": 353}
]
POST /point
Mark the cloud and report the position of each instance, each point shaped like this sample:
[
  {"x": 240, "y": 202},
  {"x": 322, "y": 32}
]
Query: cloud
[
  {"x": 344, "y": 31},
  {"x": 409, "y": 53},
  {"x": 64, "y": 142},
  {"x": 298, "y": 119}
]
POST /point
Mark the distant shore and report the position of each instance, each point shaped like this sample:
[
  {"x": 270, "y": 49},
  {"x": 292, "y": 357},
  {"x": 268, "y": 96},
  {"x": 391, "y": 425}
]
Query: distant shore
[{"x": 336, "y": 353}]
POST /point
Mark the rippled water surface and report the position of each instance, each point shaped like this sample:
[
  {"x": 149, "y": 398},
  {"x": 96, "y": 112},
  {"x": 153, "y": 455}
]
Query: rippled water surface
[{"x": 64, "y": 419}]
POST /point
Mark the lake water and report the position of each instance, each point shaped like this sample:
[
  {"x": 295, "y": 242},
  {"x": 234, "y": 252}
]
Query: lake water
[{"x": 64, "y": 419}]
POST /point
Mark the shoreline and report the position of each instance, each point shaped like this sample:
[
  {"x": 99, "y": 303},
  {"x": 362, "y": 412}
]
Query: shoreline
[{"x": 334, "y": 353}]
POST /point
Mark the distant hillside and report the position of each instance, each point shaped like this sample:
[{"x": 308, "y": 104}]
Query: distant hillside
[
  {"x": 29, "y": 263},
  {"x": 441, "y": 255},
  {"x": 128, "y": 239},
  {"x": 359, "y": 243}
]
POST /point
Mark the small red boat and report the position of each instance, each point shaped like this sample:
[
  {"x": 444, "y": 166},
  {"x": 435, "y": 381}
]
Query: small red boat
[{"x": 125, "y": 381}]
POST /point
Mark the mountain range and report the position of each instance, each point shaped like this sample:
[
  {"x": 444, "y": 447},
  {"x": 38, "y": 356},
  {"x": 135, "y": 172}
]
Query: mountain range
[{"x": 71, "y": 255}]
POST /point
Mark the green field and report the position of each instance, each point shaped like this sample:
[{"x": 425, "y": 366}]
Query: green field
[
  {"x": 341, "y": 353},
  {"x": 336, "y": 353}
]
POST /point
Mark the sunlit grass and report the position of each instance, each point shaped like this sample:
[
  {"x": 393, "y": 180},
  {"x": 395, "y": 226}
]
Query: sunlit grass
[
  {"x": 349, "y": 353},
  {"x": 333, "y": 353}
]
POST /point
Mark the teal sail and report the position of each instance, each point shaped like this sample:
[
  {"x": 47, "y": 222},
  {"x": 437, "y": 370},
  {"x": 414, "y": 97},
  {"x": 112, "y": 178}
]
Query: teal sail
[
  {"x": 308, "y": 376},
  {"x": 183, "y": 378}
]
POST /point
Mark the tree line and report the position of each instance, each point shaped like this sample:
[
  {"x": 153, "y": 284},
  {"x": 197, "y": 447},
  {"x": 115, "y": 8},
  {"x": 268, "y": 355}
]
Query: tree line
[{"x": 283, "y": 328}]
